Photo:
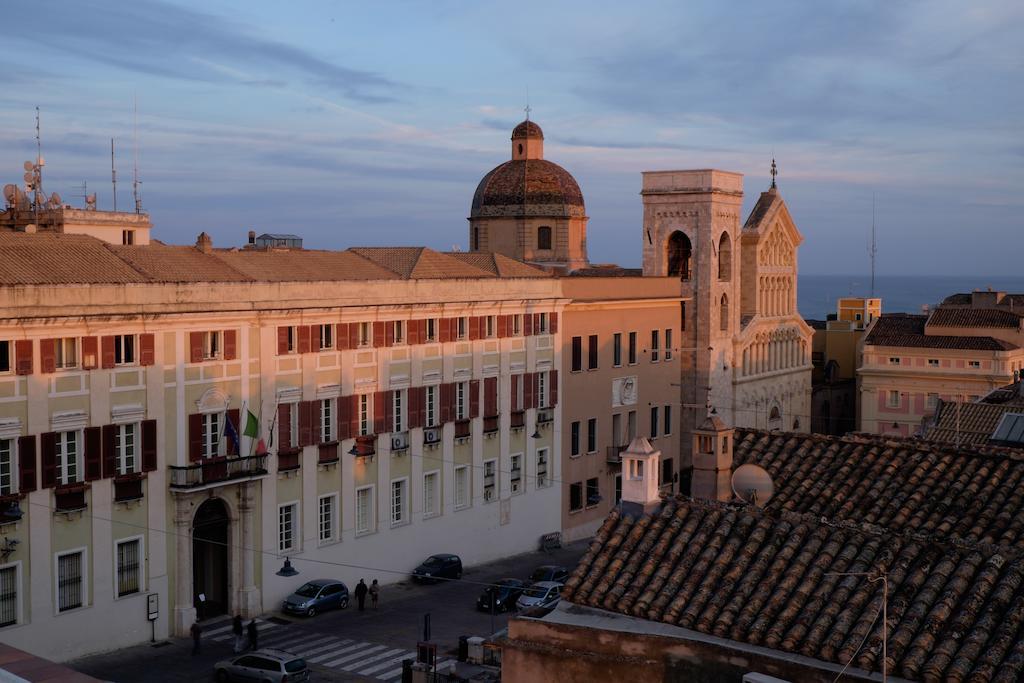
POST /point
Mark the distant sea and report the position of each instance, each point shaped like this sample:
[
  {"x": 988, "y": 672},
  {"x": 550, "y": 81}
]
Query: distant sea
[{"x": 817, "y": 294}]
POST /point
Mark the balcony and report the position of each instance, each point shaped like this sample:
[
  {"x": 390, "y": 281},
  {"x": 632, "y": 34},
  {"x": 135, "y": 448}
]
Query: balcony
[
  {"x": 613, "y": 454},
  {"x": 545, "y": 415},
  {"x": 217, "y": 470},
  {"x": 364, "y": 446},
  {"x": 462, "y": 429},
  {"x": 518, "y": 419},
  {"x": 491, "y": 425},
  {"x": 327, "y": 453},
  {"x": 128, "y": 487},
  {"x": 70, "y": 497},
  {"x": 288, "y": 460},
  {"x": 399, "y": 442}
]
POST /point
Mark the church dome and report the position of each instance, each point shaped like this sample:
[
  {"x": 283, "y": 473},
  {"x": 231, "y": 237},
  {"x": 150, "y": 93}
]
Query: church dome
[{"x": 527, "y": 129}]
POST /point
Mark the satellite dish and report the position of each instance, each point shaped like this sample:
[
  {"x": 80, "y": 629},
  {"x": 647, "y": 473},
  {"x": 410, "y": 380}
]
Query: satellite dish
[
  {"x": 28, "y": 166},
  {"x": 753, "y": 484},
  {"x": 10, "y": 192},
  {"x": 29, "y": 178},
  {"x": 55, "y": 200}
]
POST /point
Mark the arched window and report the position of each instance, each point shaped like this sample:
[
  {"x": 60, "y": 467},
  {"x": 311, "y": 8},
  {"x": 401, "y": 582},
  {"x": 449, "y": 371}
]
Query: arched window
[
  {"x": 774, "y": 418},
  {"x": 476, "y": 238},
  {"x": 543, "y": 237},
  {"x": 679, "y": 253},
  {"x": 725, "y": 258},
  {"x": 724, "y": 321}
]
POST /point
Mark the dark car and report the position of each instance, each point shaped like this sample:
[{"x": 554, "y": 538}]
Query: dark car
[
  {"x": 503, "y": 595},
  {"x": 317, "y": 596},
  {"x": 550, "y": 572},
  {"x": 438, "y": 567}
]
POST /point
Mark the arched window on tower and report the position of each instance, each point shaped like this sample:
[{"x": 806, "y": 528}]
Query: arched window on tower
[
  {"x": 724, "y": 321},
  {"x": 725, "y": 258},
  {"x": 774, "y": 419},
  {"x": 679, "y": 254},
  {"x": 543, "y": 237},
  {"x": 476, "y": 238}
]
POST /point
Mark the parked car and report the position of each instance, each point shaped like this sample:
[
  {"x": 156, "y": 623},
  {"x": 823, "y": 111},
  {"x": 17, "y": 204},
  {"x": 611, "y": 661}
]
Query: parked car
[
  {"x": 438, "y": 567},
  {"x": 317, "y": 596},
  {"x": 550, "y": 572},
  {"x": 540, "y": 594},
  {"x": 503, "y": 594},
  {"x": 265, "y": 664}
]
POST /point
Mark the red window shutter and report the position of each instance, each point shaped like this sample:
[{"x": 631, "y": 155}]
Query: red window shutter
[
  {"x": 195, "y": 347},
  {"x": 474, "y": 398},
  {"x": 48, "y": 356},
  {"x": 284, "y": 426},
  {"x": 389, "y": 410},
  {"x": 48, "y": 456},
  {"x": 553, "y": 388},
  {"x": 412, "y": 332},
  {"x": 474, "y": 327},
  {"x": 305, "y": 423},
  {"x": 109, "y": 451},
  {"x": 26, "y": 464},
  {"x": 422, "y": 327},
  {"x": 529, "y": 389},
  {"x": 90, "y": 353},
  {"x": 445, "y": 403},
  {"x": 503, "y": 326},
  {"x": 527, "y": 324},
  {"x": 23, "y": 366},
  {"x": 380, "y": 412},
  {"x": 149, "y": 445},
  {"x": 536, "y": 323},
  {"x": 389, "y": 333},
  {"x": 282, "y": 340},
  {"x": 107, "y": 357},
  {"x": 414, "y": 399},
  {"x": 344, "y": 417},
  {"x": 490, "y": 396},
  {"x": 378, "y": 334},
  {"x": 354, "y": 414},
  {"x": 233, "y": 417},
  {"x": 341, "y": 337},
  {"x": 514, "y": 394},
  {"x": 444, "y": 330},
  {"x": 195, "y": 437},
  {"x": 552, "y": 322},
  {"x": 230, "y": 344},
  {"x": 305, "y": 335},
  {"x": 93, "y": 453},
  {"x": 353, "y": 335},
  {"x": 147, "y": 350}
]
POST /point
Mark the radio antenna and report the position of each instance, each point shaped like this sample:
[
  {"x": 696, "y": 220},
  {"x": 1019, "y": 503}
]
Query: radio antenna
[
  {"x": 873, "y": 249},
  {"x": 135, "y": 164},
  {"x": 113, "y": 173}
]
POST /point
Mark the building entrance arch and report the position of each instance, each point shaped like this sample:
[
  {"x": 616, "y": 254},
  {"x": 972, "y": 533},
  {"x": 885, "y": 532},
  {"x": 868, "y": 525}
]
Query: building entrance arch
[{"x": 210, "y": 538}]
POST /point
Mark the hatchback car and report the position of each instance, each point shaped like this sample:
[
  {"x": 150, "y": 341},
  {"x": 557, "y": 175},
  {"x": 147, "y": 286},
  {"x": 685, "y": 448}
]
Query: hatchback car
[
  {"x": 540, "y": 594},
  {"x": 266, "y": 664},
  {"x": 438, "y": 567},
  {"x": 317, "y": 596},
  {"x": 501, "y": 596},
  {"x": 550, "y": 572}
]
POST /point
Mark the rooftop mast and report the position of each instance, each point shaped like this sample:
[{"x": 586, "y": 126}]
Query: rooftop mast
[{"x": 872, "y": 250}]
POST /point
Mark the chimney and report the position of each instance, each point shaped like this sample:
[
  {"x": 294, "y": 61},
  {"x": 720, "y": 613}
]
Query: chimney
[
  {"x": 712, "y": 460},
  {"x": 252, "y": 237},
  {"x": 640, "y": 476},
  {"x": 204, "y": 243}
]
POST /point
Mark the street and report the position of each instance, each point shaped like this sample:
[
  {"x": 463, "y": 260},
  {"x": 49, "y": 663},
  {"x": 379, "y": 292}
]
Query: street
[{"x": 342, "y": 645}]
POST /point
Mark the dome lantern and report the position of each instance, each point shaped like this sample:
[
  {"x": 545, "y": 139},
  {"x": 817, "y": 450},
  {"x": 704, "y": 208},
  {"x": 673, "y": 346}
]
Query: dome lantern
[{"x": 527, "y": 141}]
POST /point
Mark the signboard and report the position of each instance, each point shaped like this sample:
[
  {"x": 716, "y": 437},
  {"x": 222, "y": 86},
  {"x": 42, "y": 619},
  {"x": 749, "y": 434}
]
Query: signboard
[{"x": 153, "y": 606}]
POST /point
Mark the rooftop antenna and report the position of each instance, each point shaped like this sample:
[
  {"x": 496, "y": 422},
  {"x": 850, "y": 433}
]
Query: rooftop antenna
[
  {"x": 136, "y": 195},
  {"x": 872, "y": 250},
  {"x": 113, "y": 172}
]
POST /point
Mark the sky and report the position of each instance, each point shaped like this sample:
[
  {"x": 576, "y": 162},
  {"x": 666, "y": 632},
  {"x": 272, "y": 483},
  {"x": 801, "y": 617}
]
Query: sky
[{"x": 355, "y": 123}]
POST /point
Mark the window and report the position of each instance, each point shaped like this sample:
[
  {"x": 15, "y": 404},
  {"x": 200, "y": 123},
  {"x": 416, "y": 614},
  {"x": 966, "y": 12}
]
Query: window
[
  {"x": 517, "y": 325},
  {"x": 617, "y": 349},
  {"x": 516, "y": 476},
  {"x": 933, "y": 362},
  {"x": 682, "y": 316},
  {"x": 286, "y": 526},
  {"x": 632, "y": 348},
  {"x": 490, "y": 479},
  {"x": 462, "y": 327},
  {"x": 293, "y": 426},
  {"x": 542, "y": 468},
  {"x": 124, "y": 349},
  {"x": 5, "y": 355},
  {"x": 543, "y": 237},
  {"x": 461, "y": 486},
  {"x": 476, "y": 236},
  {"x": 66, "y": 351},
  {"x": 398, "y": 501},
  {"x": 128, "y": 237},
  {"x": 7, "y": 468},
  {"x": 654, "y": 346},
  {"x": 398, "y": 410},
  {"x": 542, "y": 325},
  {"x": 461, "y": 400},
  {"x": 668, "y": 343},
  {"x": 618, "y": 489},
  {"x": 932, "y": 401},
  {"x": 654, "y": 421},
  {"x": 365, "y": 334},
  {"x": 542, "y": 389},
  {"x": 431, "y": 333},
  {"x": 574, "y": 444},
  {"x": 211, "y": 345},
  {"x": 592, "y": 352},
  {"x": 723, "y": 320},
  {"x": 69, "y": 581},
  {"x": 679, "y": 253},
  {"x": 973, "y": 364},
  {"x": 631, "y": 426},
  {"x": 894, "y": 360},
  {"x": 290, "y": 347},
  {"x": 68, "y": 471},
  {"x": 326, "y": 334},
  {"x": 592, "y": 435},
  {"x": 577, "y": 354},
  {"x": 8, "y": 595},
  {"x": 667, "y": 429},
  {"x": 126, "y": 445},
  {"x": 211, "y": 434},
  {"x": 491, "y": 326},
  {"x": 724, "y": 257},
  {"x": 431, "y": 407},
  {"x": 593, "y": 492},
  {"x": 576, "y": 497},
  {"x": 129, "y": 567},
  {"x": 430, "y": 497},
  {"x": 856, "y": 316},
  {"x": 326, "y": 506},
  {"x": 665, "y": 475},
  {"x": 327, "y": 420},
  {"x": 893, "y": 400},
  {"x": 365, "y": 418},
  {"x": 399, "y": 330},
  {"x": 364, "y": 510}
]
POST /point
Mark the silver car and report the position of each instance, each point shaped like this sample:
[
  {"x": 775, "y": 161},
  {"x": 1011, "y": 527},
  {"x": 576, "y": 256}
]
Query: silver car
[
  {"x": 265, "y": 665},
  {"x": 540, "y": 594}
]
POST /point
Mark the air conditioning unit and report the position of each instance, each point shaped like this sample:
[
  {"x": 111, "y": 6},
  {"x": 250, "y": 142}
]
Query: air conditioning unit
[
  {"x": 488, "y": 494},
  {"x": 399, "y": 441},
  {"x": 432, "y": 435}
]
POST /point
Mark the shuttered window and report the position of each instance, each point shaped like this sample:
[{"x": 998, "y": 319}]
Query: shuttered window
[
  {"x": 430, "y": 480},
  {"x": 286, "y": 527},
  {"x": 127, "y": 448},
  {"x": 129, "y": 567},
  {"x": 7, "y": 467},
  {"x": 461, "y": 486},
  {"x": 364, "y": 510},
  {"x": 8, "y": 596},
  {"x": 69, "y": 581},
  {"x": 66, "y": 454},
  {"x": 327, "y": 505},
  {"x": 398, "y": 500},
  {"x": 211, "y": 434}
]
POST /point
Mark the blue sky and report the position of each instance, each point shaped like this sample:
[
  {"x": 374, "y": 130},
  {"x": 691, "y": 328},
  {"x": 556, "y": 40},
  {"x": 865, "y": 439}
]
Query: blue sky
[{"x": 371, "y": 123}]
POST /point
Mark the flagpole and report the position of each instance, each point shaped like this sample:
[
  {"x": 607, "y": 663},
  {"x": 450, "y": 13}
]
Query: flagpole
[
  {"x": 242, "y": 415},
  {"x": 273, "y": 423}
]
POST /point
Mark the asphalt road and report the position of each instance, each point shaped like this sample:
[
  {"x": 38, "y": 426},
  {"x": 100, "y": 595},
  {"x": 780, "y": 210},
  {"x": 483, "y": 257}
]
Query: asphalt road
[{"x": 343, "y": 645}]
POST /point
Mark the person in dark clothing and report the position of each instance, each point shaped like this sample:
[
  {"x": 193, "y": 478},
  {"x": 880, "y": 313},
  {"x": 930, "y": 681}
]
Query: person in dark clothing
[
  {"x": 374, "y": 593},
  {"x": 361, "y": 591},
  {"x": 196, "y": 632},
  {"x": 239, "y": 632},
  {"x": 254, "y": 637}
]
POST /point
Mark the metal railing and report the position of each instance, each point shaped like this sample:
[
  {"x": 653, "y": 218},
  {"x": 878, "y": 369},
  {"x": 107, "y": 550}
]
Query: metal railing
[
  {"x": 213, "y": 470},
  {"x": 613, "y": 454}
]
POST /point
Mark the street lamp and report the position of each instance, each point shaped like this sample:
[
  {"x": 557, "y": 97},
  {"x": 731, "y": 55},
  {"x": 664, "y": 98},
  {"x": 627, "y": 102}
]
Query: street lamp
[{"x": 287, "y": 570}]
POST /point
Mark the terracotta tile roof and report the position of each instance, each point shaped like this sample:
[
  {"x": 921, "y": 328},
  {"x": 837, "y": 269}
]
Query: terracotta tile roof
[
  {"x": 497, "y": 264},
  {"x": 901, "y": 329},
  {"x": 544, "y": 186},
  {"x": 772, "y": 578},
  {"x": 56, "y": 258},
  {"x": 965, "y": 298},
  {"x": 607, "y": 271},
  {"x": 977, "y": 422},
  {"x": 420, "y": 263},
  {"x": 160, "y": 263},
  {"x": 974, "y": 317},
  {"x": 765, "y": 203},
  {"x": 301, "y": 265}
]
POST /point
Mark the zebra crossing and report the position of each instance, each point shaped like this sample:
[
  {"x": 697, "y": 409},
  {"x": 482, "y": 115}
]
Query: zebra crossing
[{"x": 371, "y": 660}]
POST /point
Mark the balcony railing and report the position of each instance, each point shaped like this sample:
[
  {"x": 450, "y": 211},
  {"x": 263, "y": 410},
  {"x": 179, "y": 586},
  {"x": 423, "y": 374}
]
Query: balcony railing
[
  {"x": 328, "y": 453},
  {"x": 69, "y": 497},
  {"x": 462, "y": 429},
  {"x": 518, "y": 419},
  {"x": 364, "y": 446},
  {"x": 288, "y": 460},
  {"x": 491, "y": 424},
  {"x": 614, "y": 454},
  {"x": 215, "y": 470},
  {"x": 127, "y": 487},
  {"x": 545, "y": 415}
]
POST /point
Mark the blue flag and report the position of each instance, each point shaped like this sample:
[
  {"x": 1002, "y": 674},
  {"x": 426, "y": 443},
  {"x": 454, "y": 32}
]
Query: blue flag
[{"x": 232, "y": 433}]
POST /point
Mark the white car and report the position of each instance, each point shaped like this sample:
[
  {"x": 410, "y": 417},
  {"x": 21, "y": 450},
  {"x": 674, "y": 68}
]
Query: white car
[{"x": 540, "y": 594}]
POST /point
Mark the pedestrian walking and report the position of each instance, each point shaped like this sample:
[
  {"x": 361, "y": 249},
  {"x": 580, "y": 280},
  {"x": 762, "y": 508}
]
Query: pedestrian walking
[
  {"x": 236, "y": 628},
  {"x": 254, "y": 637},
  {"x": 361, "y": 591},
  {"x": 374, "y": 593},
  {"x": 196, "y": 632}
]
